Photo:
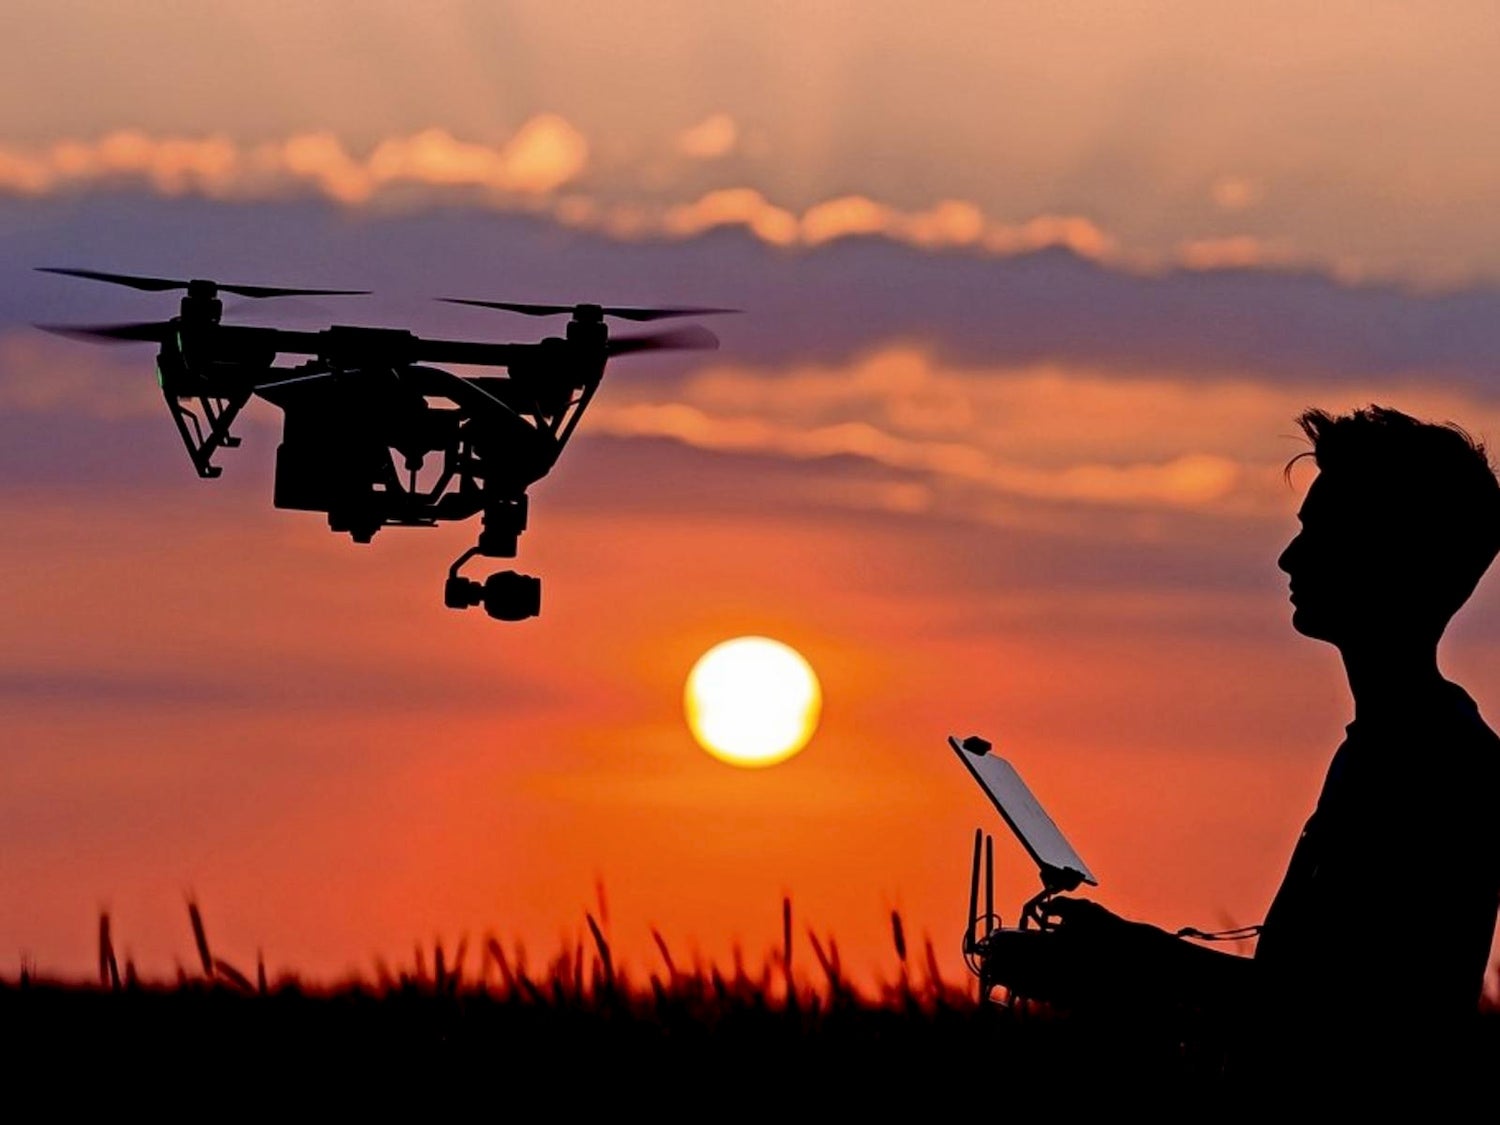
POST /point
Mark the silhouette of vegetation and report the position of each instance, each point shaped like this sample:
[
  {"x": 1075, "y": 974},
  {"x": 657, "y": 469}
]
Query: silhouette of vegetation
[{"x": 666, "y": 1032}]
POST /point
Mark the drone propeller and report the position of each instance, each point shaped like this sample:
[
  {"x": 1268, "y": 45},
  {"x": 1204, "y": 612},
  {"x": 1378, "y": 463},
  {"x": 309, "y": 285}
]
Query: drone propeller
[
  {"x": 693, "y": 338},
  {"x": 154, "y": 331},
  {"x": 161, "y": 284},
  {"x": 588, "y": 312}
]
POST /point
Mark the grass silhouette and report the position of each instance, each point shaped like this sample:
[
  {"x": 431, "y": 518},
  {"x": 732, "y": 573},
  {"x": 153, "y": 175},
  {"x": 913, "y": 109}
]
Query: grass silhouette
[{"x": 602, "y": 1034}]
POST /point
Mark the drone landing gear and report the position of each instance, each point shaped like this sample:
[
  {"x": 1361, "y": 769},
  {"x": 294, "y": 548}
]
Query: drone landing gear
[
  {"x": 506, "y": 595},
  {"x": 219, "y": 415}
]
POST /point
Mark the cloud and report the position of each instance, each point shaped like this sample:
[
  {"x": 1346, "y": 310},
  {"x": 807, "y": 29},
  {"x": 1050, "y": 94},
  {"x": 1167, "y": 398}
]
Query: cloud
[
  {"x": 739, "y": 207},
  {"x": 1186, "y": 481},
  {"x": 1234, "y": 252},
  {"x": 948, "y": 224},
  {"x": 945, "y": 428},
  {"x": 322, "y": 681},
  {"x": 545, "y": 153},
  {"x": 544, "y": 168},
  {"x": 529, "y": 171},
  {"x": 960, "y": 438},
  {"x": 711, "y": 138},
  {"x": 827, "y": 303}
]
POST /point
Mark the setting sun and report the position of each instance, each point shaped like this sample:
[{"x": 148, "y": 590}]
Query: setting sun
[{"x": 752, "y": 701}]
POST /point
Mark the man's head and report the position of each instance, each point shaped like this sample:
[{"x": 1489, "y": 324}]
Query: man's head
[{"x": 1397, "y": 528}]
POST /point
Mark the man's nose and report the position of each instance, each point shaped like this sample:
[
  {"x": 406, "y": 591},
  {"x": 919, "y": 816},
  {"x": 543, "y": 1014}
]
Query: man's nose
[{"x": 1288, "y": 557}]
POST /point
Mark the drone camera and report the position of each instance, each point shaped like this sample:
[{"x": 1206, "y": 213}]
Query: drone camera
[
  {"x": 506, "y": 596},
  {"x": 509, "y": 596}
]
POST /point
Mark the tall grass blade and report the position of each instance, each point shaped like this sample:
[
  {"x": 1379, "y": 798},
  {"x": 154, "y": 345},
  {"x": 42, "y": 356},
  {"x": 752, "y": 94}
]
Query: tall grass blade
[
  {"x": 666, "y": 955},
  {"x": 602, "y": 901},
  {"x": 228, "y": 972},
  {"x": 109, "y": 969},
  {"x": 200, "y": 937},
  {"x": 497, "y": 954},
  {"x": 605, "y": 959},
  {"x": 934, "y": 974},
  {"x": 459, "y": 954}
]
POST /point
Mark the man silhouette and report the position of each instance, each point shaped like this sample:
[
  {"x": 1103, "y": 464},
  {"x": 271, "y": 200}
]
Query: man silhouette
[{"x": 1371, "y": 960}]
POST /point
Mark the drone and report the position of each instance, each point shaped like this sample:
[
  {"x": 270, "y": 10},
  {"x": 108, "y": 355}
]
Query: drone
[{"x": 365, "y": 409}]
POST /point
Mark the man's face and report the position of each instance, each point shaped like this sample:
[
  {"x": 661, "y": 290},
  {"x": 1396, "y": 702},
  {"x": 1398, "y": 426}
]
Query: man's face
[{"x": 1344, "y": 577}]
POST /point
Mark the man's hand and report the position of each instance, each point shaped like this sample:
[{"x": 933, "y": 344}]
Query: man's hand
[
  {"x": 1093, "y": 956},
  {"x": 1082, "y": 916}
]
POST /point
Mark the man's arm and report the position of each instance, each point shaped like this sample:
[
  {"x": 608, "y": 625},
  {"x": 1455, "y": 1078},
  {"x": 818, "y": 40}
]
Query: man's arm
[{"x": 1095, "y": 956}]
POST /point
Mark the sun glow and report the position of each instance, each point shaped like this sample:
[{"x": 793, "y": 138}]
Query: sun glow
[{"x": 752, "y": 701}]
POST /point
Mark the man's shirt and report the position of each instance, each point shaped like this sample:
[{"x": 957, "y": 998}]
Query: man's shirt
[{"x": 1389, "y": 904}]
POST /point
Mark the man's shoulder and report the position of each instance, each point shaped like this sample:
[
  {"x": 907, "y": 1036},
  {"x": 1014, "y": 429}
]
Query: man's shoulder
[
  {"x": 1437, "y": 753},
  {"x": 1454, "y": 767}
]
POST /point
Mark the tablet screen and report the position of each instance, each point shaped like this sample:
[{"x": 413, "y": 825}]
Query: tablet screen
[{"x": 1021, "y": 810}]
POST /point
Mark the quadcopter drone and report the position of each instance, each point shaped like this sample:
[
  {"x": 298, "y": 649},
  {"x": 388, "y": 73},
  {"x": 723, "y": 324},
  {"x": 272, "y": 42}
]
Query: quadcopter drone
[{"x": 364, "y": 411}]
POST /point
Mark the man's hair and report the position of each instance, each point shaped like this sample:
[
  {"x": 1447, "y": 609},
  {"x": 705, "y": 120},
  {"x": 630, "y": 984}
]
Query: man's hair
[{"x": 1433, "y": 481}]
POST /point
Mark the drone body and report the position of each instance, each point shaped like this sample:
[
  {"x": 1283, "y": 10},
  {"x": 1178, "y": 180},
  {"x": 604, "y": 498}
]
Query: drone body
[{"x": 366, "y": 411}]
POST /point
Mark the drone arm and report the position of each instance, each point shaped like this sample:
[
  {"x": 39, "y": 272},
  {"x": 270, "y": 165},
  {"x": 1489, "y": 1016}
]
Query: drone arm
[
  {"x": 578, "y": 408},
  {"x": 469, "y": 395},
  {"x": 353, "y": 346},
  {"x": 467, "y": 352}
]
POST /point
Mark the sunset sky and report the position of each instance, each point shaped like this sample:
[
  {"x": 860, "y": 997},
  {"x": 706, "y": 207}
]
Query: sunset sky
[{"x": 1032, "y": 294}]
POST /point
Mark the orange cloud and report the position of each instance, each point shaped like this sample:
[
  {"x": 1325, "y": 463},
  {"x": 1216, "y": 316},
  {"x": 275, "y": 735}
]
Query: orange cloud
[
  {"x": 1191, "y": 480},
  {"x": 1236, "y": 252},
  {"x": 968, "y": 437},
  {"x": 545, "y": 153},
  {"x": 898, "y": 410},
  {"x": 948, "y": 223},
  {"x": 320, "y": 157},
  {"x": 733, "y": 207}
]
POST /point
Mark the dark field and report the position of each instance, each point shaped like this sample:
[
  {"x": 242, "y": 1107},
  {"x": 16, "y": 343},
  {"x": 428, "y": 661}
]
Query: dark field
[{"x": 579, "y": 1032}]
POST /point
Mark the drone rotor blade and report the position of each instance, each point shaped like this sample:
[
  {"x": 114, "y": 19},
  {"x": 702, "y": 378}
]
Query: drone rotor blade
[
  {"x": 692, "y": 338},
  {"x": 152, "y": 331},
  {"x": 152, "y": 284},
  {"x": 161, "y": 284},
  {"x": 664, "y": 313},
  {"x": 511, "y": 306},
  {"x": 620, "y": 311},
  {"x": 258, "y": 291}
]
